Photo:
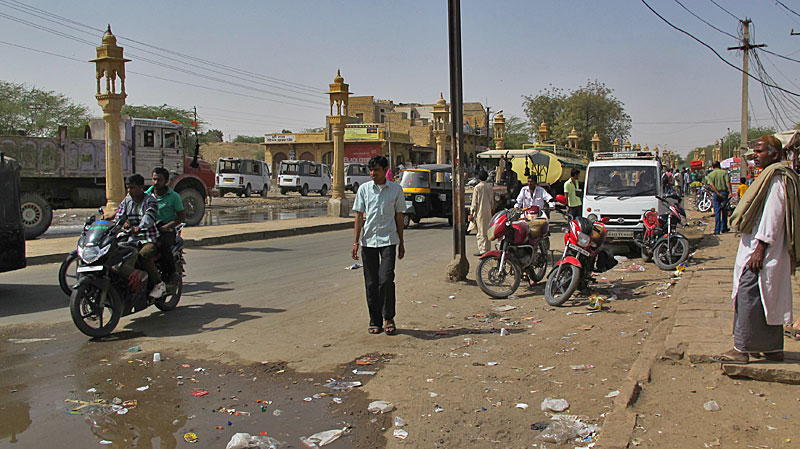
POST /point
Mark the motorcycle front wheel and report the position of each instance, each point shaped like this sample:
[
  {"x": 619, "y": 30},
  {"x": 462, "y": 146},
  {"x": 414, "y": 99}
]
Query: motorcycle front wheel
[
  {"x": 170, "y": 301},
  {"x": 67, "y": 273},
  {"x": 561, "y": 284},
  {"x": 89, "y": 315},
  {"x": 497, "y": 283},
  {"x": 667, "y": 257},
  {"x": 704, "y": 205}
]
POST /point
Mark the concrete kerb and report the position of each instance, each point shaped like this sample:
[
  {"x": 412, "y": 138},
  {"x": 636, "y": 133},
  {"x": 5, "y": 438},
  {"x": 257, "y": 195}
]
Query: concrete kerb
[
  {"x": 220, "y": 240},
  {"x": 619, "y": 423}
]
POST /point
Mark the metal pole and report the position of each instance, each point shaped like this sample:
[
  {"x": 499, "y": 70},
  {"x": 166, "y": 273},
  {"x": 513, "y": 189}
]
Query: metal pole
[
  {"x": 389, "y": 137},
  {"x": 458, "y": 268}
]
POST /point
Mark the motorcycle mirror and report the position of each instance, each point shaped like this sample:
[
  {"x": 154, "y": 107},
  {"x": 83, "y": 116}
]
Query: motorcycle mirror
[
  {"x": 561, "y": 199},
  {"x": 89, "y": 220},
  {"x": 605, "y": 220}
]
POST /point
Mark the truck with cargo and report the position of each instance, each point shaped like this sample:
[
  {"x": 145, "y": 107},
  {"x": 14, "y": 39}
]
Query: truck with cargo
[{"x": 64, "y": 172}]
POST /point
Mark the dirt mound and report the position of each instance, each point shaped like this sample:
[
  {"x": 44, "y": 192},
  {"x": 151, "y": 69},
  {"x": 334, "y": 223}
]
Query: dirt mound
[{"x": 213, "y": 151}]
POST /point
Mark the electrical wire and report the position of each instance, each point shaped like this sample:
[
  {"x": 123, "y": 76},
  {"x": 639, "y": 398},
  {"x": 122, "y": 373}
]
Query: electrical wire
[
  {"x": 715, "y": 52},
  {"x": 730, "y": 13},
  {"x": 787, "y": 8},
  {"x": 704, "y": 21}
]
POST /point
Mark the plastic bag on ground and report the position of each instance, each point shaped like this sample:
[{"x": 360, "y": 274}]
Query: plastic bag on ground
[
  {"x": 246, "y": 441},
  {"x": 554, "y": 405},
  {"x": 342, "y": 385},
  {"x": 563, "y": 430},
  {"x": 320, "y": 439},
  {"x": 380, "y": 407}
]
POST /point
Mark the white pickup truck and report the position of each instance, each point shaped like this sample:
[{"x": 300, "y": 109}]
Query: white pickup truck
[{"x": 621, "y": 186}]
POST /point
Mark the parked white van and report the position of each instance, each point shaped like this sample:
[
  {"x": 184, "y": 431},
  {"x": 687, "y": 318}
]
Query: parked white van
[
  {"x": 242, "y": 176},
  {"x": 621, "y": 186},
  {"x": 304, "y": 176},
  {"x": 355, "y": 175}
]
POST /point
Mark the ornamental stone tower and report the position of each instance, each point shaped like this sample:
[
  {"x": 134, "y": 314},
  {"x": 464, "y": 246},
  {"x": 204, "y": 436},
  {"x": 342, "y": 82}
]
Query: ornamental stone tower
[
  {"x": 110, "y": 64},
  {"x": 595, "y": 144},
  {"x": 441, "y": 120},
  {"x": 339, "y": 93},
  {"x": 615, "y": 145},
  {"x": 500, "y": 131},
  {"x": 572, "y": 139}
]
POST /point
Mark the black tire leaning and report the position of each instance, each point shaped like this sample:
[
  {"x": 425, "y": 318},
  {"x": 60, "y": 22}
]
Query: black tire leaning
[
  {"x": 573, "y": 272},
  {"x": 264, "y": 191},
  {"x": 69, "y": 262},
  {"x": 76, "y": 301},
  {"x": 406, "y": 221},
  {"x": 304, "y": 190},
  {"x": 247, "y": 191},
  {"x": 488, "y": 261},
  {"x": 661, "y": 252},
  {"x": 37, "y": 214},
  {"x": 324, "y": 190},
  {"x": 355, "y": 187}
]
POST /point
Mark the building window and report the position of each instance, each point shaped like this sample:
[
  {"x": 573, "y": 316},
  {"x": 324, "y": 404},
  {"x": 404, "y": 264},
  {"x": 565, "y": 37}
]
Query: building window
[
  {"x": 383, "y": 118},
  {"x": 149, "y": 138},
  {"x": 360, "y": 117}
]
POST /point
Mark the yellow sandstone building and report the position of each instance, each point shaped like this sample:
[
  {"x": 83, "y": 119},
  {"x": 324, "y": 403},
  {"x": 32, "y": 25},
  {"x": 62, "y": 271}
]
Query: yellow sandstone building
[{"x": 403, "y": 131}]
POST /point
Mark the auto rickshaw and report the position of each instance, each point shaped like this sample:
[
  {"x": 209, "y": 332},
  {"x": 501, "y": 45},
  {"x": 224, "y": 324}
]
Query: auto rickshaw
[
  {"x": 12, "y": 233},
  {"x": 428, "y": 192}
]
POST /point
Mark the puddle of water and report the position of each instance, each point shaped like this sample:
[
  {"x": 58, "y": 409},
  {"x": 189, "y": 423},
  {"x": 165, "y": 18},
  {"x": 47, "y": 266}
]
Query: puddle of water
[
  {"x": 219, "y": 217},
  {"x": 65, "y": 390}
]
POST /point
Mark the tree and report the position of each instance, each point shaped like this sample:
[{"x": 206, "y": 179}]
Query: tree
[
  {"x": 35, "y": 112},
  {"x": 163, "y": 112},
  {"x": 249, "y": 139},
  {"x": 518, "y": 132},
  {"x": 590, "y": 109},
  {"x": 734, "y": 140}
]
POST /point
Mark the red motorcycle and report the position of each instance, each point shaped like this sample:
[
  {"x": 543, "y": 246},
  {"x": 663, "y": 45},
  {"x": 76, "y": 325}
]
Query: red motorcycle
[
  {"x": 583, "y": 254},
  {"x": 523, "y": 250}
]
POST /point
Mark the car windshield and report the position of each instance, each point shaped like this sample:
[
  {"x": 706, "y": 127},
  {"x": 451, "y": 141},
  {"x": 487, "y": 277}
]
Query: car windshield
[
  {"x": 289, "y": 169},
  {"x": 228, "y": 167},
  {"x": 621, "y": 181},
  {"x": 414, "y": 179}
]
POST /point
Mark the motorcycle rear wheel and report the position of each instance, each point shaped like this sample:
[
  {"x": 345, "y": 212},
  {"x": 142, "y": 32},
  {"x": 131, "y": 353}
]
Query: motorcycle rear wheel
[
  {"x": 170, "y": 301},
  {"x": 558, "y": 291},
  {"x": 539, "y": 266},
  {"x": 67, "y": 276},
  {"x": 667, "y": 258},
  {"x": 704, "y": 205},
  {"x": 89, "y": 316},
  {"x": 495, "y": 283}
]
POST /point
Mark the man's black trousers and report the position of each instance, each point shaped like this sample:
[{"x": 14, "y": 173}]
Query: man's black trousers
[
  {"x": 379, "y": 282},
  {"x": 165, "y": 242}
]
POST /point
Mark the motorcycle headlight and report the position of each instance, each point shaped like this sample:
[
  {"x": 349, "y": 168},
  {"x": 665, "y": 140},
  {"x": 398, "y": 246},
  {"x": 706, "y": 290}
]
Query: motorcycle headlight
[
  {"x": 419, "y": 198},
  {"x": 583, "y": 239},
  {"x": 592, "y": 217},
  {"x": 90, "y": 254}
]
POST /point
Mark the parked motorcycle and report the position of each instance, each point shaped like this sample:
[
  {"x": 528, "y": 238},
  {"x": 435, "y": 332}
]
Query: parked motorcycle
[
  {"x": 111, "y": 283},
  {"x": 583, "y": 254},
  {"x": 661, "y": 239},
  {"x": 522, "y": 250}
]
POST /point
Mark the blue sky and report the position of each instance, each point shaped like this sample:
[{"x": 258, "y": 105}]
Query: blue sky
[{"x": 398, "y": 50}]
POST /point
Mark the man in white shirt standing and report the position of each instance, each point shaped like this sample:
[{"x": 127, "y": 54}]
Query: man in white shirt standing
[
  {"x": 767, "y": 216},
  {"x": 534, "y": 195}
]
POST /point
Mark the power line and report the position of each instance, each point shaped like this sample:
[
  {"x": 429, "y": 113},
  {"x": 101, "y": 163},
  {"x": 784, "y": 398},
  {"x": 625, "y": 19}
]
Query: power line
[
  {"x": 704, "y": 21},
  {"x": 715, "y": 52},
  {"x": 787, "y": 8},
  {"x": 730, "y": 13}
]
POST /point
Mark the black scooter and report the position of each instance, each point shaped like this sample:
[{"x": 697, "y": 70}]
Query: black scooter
[{"x": 111, "y": 282}]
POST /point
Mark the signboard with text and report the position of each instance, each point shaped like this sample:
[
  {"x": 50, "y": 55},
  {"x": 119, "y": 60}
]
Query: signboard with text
[
  {"x": 279, "y": 138},
  {"x": 360, "y": 153},
  {"x": 362, "y": 131}
]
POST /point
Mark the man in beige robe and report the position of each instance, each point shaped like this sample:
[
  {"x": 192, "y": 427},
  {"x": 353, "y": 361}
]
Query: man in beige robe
[{"x": 482, "y": 210}]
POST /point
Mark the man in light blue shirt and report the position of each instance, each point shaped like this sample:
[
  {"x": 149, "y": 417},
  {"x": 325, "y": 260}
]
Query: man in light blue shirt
[{"x": 379, "y": 208}]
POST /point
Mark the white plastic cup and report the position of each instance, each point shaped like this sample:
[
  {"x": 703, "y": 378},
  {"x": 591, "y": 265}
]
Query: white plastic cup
[{"x": 156, "y": 357}]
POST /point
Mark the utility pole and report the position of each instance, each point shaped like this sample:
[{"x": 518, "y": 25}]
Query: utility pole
[
  {"x": 196, "y": 141},
  {"x": 389, "y": 139},
  {"x": 745, "y": 47}
]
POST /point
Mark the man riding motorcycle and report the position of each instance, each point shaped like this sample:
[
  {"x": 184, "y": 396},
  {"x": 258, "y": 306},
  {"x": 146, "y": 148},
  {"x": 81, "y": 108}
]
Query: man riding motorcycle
[
  {"x": 535, "y": 195},
  {"x": 140, "y": 210},
  {"x": 170, "y": 215}
]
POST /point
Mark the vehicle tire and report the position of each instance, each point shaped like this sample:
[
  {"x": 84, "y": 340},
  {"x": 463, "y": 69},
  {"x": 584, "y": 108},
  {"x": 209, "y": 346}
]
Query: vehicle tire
[
  {"x": 304, "y": 190},
  {"x": 67, "y": 274},
  {"x": 194, "y": 205},
  {"x": 667, "y": 258},
  {"x": 705, "y": 203},
  {"x": 539, "y": 266},
  {"x": 264, "y": 191},
  {"x": 247, "y": 191},
  {"x": 283, "y": 191},
  {"x": 416, "y": 219},
  {"x": 558, "y": 291},
  {"x": 406, "y": 221},
  {"x": 647, "y": 255},
  {"x": 324, "y": 190},
  {"x": 37, "y": 214},
  {"x": 84, "y": 316},
  {"x": 355, "y": 187},
  {"x": 494, "y": 283},
  {"x": 170, "y": 301}
]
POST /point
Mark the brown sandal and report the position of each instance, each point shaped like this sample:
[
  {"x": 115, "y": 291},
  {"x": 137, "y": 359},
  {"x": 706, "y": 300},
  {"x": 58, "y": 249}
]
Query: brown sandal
[
  {"x": 732, "y": 357},
  {"x": 791, "y": 332},
  {"x": 390, "y": 327},
  {"x": 374, "y": 330}
]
